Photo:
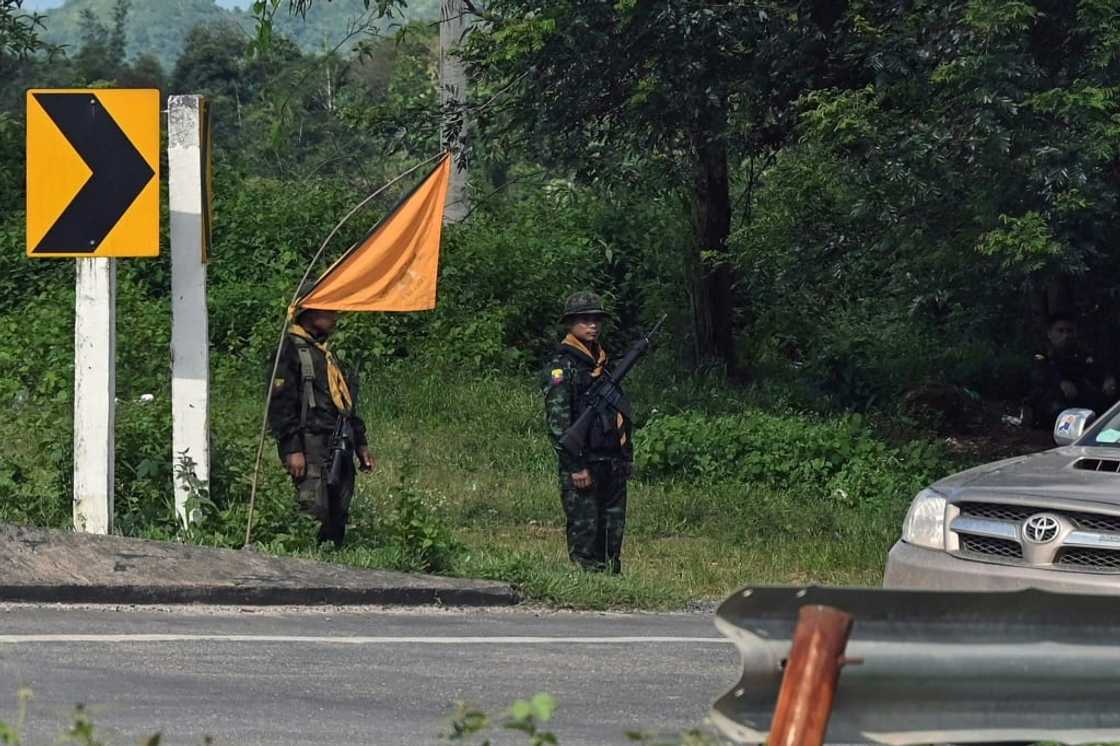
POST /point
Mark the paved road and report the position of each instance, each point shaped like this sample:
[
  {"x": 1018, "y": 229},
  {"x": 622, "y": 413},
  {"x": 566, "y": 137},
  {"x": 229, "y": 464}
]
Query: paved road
[{"x": 359, "y": 676}]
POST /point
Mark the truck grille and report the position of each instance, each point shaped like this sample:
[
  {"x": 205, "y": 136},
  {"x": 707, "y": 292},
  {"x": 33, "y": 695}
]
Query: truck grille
[
  {"x": 997, "y": 512},
  {"x": 1020, "y": 513},
  {"x": 987, "y": 546},
  {"x": 1101, "y": 560},
  {"x": 979, "y": 546}
]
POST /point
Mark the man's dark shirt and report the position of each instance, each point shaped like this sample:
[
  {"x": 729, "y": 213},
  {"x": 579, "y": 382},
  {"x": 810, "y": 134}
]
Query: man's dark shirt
[
  {"x": 286, "y": 402},
  {"x": 1048, "y": 370}
]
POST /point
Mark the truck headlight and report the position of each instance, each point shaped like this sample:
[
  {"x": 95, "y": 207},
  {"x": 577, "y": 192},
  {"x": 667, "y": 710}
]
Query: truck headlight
[{"x": 925, "y": 521}]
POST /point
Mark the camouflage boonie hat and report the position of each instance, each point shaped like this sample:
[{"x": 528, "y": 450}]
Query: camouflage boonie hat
[{"x": 581, "y": 303}]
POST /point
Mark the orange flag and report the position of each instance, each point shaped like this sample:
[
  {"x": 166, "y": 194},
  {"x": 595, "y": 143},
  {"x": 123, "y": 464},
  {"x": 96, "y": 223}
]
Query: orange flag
[{"x": 395, "y": 268}]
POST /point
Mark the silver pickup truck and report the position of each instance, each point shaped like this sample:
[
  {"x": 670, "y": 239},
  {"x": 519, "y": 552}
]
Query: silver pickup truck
[{"x": 1048, "y": 520}]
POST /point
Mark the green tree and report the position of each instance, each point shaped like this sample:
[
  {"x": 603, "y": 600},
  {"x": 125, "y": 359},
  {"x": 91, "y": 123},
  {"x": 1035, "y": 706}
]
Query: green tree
[
  {"x": 144, "y": 72},
  {"x": 97, "y": 59},
  {"x": 212, "y": 64},
  {"x": 117, "y": 40},
  {"x": 393, "y": 92},
  {"x": 1000, "y": 119},
  {"x": 19, "y": 31},
  {"x": 683, "y": 86},
  {"x": 966, "y": 187},
  {"x": 153, "y": 27},
  {"x": 264, "y": 13}
]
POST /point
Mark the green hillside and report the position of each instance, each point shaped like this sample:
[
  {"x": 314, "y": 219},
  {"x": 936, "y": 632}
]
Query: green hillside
[
  {"x": 156, "y": 27},
  {"x": 327, "y": 23},
  {"x": 159, "y": 27}
]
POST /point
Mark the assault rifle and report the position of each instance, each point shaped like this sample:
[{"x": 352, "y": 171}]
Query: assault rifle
[
  {"x": 605, "y": 395},
  {"x": 341, "y": 444},
  {"x": 341, "y": 449}
]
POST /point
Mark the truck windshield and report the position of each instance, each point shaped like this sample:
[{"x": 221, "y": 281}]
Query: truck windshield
[{"x": 1109, "y": 435}]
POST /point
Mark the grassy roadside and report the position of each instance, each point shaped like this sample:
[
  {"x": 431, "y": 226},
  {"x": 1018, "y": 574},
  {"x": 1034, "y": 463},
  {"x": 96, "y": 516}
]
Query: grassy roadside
[
  {"x": 478, "y": 454},
  {"x": 729, "y": 490}
]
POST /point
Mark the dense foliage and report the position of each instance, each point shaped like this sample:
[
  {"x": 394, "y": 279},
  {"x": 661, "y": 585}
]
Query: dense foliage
[{"x": 846, "y": 200}]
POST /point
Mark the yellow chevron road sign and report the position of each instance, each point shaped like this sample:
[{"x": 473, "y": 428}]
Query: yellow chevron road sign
[{"x": 92, "y": 173}]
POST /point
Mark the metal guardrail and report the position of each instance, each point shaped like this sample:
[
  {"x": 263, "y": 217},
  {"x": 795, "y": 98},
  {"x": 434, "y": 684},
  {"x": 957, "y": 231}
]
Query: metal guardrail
[{"x": 921, "y": 667}]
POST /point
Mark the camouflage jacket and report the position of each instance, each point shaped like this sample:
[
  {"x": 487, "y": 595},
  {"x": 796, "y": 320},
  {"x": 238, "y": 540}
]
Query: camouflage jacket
[
  {"x": 285, "y": 409},
  {"x": 565, "y": 380}
]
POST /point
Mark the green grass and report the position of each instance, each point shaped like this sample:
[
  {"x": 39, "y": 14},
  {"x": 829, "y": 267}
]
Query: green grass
[
  {"x": 472, "y": 455},
  {"x": 480, "y": 455}
]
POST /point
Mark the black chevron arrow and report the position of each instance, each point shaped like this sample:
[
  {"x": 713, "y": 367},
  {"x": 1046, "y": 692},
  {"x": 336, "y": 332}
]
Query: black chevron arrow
[{"x": 119, "y": 173}]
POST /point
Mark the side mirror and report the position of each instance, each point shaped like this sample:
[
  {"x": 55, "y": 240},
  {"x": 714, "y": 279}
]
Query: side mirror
[{"x": 1071, "y": 424}]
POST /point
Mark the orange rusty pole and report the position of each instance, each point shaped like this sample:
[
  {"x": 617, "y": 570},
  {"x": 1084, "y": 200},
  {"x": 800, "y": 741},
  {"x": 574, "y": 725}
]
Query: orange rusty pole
[{"x": 811, "y": 674}]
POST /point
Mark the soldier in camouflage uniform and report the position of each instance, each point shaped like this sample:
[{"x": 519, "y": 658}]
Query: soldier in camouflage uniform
[
  {"x": 592, "y": 484},
  {"x": 309, "y": 395}
]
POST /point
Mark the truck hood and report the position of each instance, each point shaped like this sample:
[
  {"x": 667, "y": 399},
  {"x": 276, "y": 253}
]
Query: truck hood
[{"x": 1050, "y": 475}]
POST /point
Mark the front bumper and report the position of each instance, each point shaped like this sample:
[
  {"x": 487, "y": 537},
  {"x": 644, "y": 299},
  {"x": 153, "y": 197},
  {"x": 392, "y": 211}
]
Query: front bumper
[{"x": 909, "y": 566}]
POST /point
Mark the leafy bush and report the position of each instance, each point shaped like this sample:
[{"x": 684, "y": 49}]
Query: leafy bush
[
  {"x": 503, "y": 281},
  {"x": 144, "y": 494},
  {"x": 839, "y": 459},
  {"x": 36, "y": 483},
  {"x": 416, "y": 534},
  {"x": 853, "y": 301}
]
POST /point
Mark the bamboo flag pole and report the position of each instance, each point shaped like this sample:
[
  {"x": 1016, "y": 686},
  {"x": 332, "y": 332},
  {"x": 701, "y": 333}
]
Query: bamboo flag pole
[{"x": 284, "y": 330}]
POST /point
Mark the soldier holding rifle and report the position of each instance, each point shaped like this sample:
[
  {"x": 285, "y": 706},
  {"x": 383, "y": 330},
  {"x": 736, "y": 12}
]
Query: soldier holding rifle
[
  {"x": 313, "y": 418},
  {"x": 588, "y": 419}
]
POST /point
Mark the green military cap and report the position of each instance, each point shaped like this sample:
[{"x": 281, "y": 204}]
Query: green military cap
[{"x": 583, "y": 302}]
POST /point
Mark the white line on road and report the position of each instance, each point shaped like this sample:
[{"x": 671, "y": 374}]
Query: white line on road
[{"x": 327, "y": 640}]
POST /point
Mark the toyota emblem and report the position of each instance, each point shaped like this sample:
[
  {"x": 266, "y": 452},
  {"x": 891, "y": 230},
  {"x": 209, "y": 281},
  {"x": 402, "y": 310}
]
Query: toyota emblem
[{"x": 1041, "y": 528}]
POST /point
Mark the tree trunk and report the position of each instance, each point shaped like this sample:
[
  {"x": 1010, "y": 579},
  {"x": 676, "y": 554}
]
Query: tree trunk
[
  {"x": 710, "y": 274},
  {"x": 453, "y": 94}
]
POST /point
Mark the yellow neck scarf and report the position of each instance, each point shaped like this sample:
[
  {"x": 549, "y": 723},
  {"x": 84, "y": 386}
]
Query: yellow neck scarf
[
  {"x": 340, "y": 390},
  {"x": 600, "y": 359}
]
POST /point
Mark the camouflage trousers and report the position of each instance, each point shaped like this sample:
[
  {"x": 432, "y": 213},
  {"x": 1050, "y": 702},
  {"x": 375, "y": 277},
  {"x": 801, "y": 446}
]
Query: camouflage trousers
[
  {"x": 331, "y": 507},
  {"x": 597, "y": 516}
]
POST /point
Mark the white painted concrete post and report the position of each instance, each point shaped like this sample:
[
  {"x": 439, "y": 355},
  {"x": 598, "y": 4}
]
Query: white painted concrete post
[
  {"x": 95, "y": 386},
  {"x": 453, "y": 92},
  {"x": 190, "y": 339}
]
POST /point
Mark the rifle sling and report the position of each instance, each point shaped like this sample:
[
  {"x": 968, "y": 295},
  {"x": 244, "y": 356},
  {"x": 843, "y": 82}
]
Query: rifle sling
[{"x": 307, "y": 376}]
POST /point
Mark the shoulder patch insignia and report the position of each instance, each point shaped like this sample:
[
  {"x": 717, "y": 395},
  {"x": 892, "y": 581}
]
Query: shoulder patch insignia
[
  {"x": 278, "y": 383},
  {"x": 557, "y": 376},
  {"x": 1039, "y": 356}
]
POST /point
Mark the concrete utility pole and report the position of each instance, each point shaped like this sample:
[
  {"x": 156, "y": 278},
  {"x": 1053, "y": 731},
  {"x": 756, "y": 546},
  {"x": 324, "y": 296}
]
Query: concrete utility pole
[
  {"x": 188, "y": 163},
  {"x": 453, "y": 93},
  {"x": 95, "y": 386}
]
